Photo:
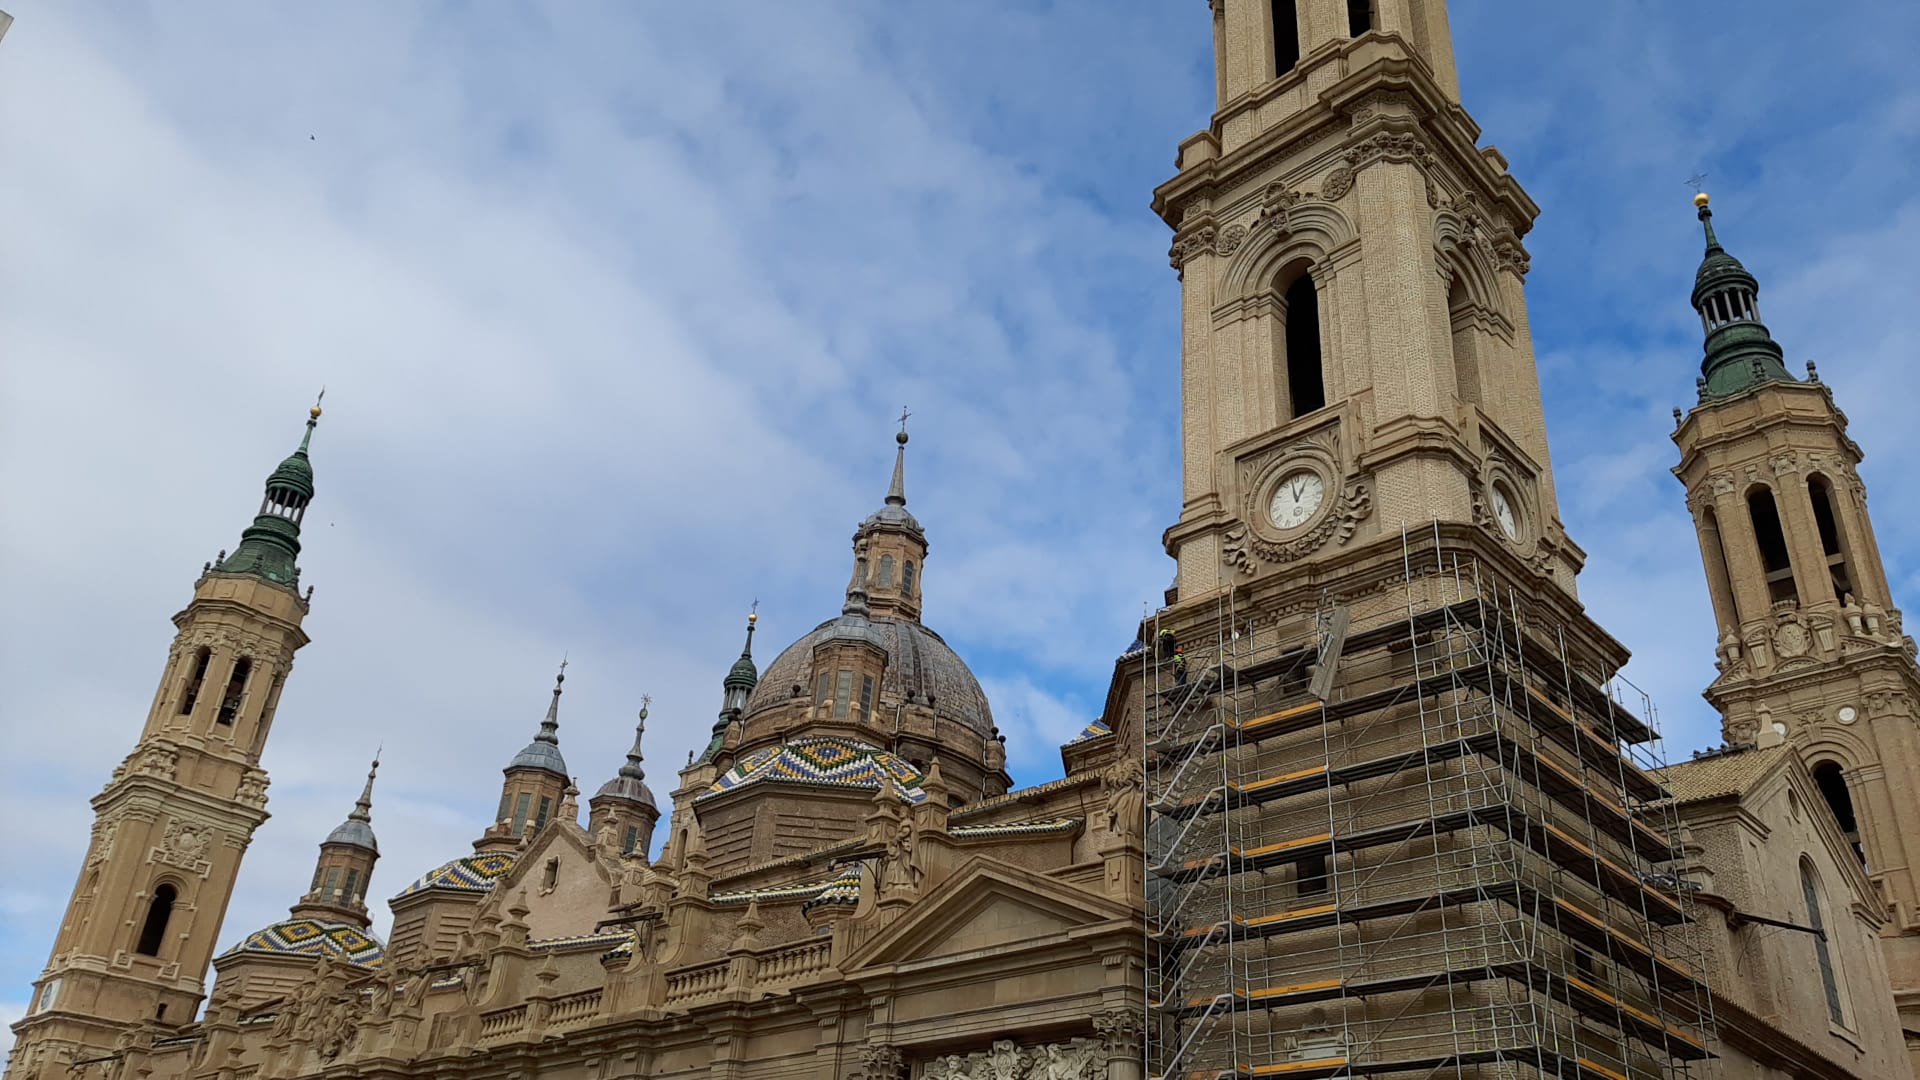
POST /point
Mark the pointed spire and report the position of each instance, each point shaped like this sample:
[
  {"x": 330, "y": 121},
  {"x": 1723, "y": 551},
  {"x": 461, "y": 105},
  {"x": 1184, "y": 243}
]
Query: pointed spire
[
  {"x": 743, "y": 674},
  {"x": 741, "y": 678},
  {"x": 544, "y": 751},
  {"x": 358, "y": 828},
  {"x": 631, "y": 769},
  {"x": 268, "y": 548},
  {"x": 897, "y": 491},
  {"x": 1739, "y": 354}
]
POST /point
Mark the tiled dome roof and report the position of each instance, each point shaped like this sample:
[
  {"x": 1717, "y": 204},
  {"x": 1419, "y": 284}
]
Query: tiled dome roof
[
  {"x": 823, "y": 761},
  {"x": 918, "y": 662},
  {"x": 1097, "y": 729},
  {"x": 468, "y": 874},
  {"x": 315, "y": 937}
]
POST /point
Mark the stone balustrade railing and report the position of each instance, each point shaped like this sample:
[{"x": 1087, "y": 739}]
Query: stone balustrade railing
[
  {"x": 795, "y": 962},
  {"x": 574, "y": 1009},
  {"x": 690, "y": 983},
  {"x": 502, "y": 1024}
]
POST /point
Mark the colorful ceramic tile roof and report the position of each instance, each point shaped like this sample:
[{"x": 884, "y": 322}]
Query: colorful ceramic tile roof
[
  {"x": 1018, "y": 828},
  {"x": 468, "y": 874},
  {"x": 312, "y": 937},
  {"x": 1095, "y": 730},
  {"x": 842, "y": 888},
  {"x": 824, "y": 762}
]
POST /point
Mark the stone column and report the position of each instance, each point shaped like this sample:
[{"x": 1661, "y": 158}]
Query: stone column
[{"x": 1119, "y": 1031}]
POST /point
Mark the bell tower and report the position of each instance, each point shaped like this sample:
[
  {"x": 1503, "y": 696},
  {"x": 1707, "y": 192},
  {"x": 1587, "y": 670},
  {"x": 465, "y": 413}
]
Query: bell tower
[
  {"x": 173, "y": 822},
  {"x": 1811, "y": 649},
  {"x": 1356, "y": 356}
]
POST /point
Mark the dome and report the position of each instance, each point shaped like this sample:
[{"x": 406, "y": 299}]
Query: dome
[
  {"x": 919, "y": 665},
  {"x": 822, "y": 761},
  {"x": 295, "y": 472},
  {"x": 467, "y": 874},
  {"x": 540, "y": 755},
  {"x": 316, "y": 938},
  {"x": 355, "y": 832},
  {"x": 632, "y": 789}
]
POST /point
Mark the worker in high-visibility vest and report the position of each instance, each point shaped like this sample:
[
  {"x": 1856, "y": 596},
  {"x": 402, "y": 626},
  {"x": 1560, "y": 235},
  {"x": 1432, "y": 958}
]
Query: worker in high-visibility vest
[
  {"x": 1179, "y": 666},
  {"x": 1167, "y": 644}
]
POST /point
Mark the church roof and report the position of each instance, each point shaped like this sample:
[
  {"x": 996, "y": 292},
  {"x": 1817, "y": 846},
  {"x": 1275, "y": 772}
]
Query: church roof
[
  {"x": 844, "y": 888},
  {"x": 467, "y": 874},
  {"x": 1095, "y": 730},
  {"x": 822, "y": 761},
  {"x": 920, "y": 668},
  {"x": 1719, "y": 775},
  {"x": 316, "y": 938}
]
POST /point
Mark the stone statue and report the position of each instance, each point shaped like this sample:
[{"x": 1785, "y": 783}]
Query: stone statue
[{"x": 1126, "y": 798}]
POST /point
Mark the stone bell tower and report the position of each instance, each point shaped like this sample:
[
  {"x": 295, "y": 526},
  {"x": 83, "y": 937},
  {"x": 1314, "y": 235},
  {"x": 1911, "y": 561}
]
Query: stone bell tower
[
  {"x": 173, "y": 822},
  {"x": 1356, "y": 353},
  {"x": 1811, "y": 648}
]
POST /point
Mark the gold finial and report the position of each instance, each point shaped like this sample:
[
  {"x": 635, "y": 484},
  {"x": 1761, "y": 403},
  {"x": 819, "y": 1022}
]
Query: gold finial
[
  {"x": 315, "y": 411},
  {"x": 1701, "y": 199},
  {"x": 753, "y": 613}
]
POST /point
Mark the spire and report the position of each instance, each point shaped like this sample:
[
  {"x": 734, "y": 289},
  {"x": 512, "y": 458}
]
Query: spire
[
  {"x": 897, "y": 491},
  {"x": 741, "y": 678},
  {"x": 270, "y": 545},
  {"x": 358, "y": 828},
  {"x": 632, "y": 768},
  {"x": 630, "y": 782},
  {"x": 1739, "y": 353},
  {"x": 544, "y": 751}
]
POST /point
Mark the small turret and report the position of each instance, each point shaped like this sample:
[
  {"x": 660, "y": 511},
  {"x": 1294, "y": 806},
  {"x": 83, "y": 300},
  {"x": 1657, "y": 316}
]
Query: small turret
[
  {"x": 741, "y": 678},
  {"x": 624, "y": 806},
  {"x": 536, "y": 781},
  {"x": 345, "y": 867}
]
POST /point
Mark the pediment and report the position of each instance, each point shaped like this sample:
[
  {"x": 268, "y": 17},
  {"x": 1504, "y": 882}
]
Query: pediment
[
  {"x": 561, "y": 882},
  {"x": 987, "y": 907}
]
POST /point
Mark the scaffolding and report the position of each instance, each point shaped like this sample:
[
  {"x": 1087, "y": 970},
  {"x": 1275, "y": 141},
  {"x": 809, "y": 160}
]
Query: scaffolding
[{"x": 1429, "y": 846}]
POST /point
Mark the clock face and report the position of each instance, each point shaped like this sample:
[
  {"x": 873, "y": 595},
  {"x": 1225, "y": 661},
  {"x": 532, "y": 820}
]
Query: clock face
[
  {"x": 1296, "y": 498},
  {"x": 1503, "y": 512}
]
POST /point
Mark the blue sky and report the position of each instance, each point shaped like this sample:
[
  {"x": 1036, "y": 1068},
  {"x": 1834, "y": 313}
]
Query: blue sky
[{"x": 615, "y": 304}]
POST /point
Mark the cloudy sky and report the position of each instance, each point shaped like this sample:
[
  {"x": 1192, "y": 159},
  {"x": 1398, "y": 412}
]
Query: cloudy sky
[{"x": 615, "y": 305}]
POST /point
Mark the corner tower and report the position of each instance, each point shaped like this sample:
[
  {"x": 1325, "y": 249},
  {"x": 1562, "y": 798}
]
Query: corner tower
[
  {"x": 1356, "y": 352},
  {"x": 173, "y": 822},
  {"x": 1811, "y": 647},
  {"x": 1380, "y": 731}
]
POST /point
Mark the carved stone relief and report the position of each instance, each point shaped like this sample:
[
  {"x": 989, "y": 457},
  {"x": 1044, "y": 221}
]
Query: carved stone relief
[
  {"x": 185, "y": 845},
  {"x": 1075, "y": 1059}
]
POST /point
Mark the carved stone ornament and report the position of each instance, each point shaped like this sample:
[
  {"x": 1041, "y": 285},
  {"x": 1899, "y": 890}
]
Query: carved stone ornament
[
  {"x": 1337, "y": 183},
  {"x": 1512, "y": 256},
  {"x": 1785, "y": 463},
  {"x": 102, "y": 841},
  {"x": 1230, "y": 240},
  {"x": 1790, "y": 637},
  {"x": 159, "y": 761},
  {"x": 184, "y": 844},
  {"x": 1074, "y": 1059},
  {"x": 1398, "y": 146},
  {"x": 881, "y": 1063},
  {"x": 253, "y": 788},
  {"x": 1120, "y": 1029},
  {"x": 1189, "y": 244},
  {"x": 1276, "y": 207},
  {"x": 1723, "y": 484}
]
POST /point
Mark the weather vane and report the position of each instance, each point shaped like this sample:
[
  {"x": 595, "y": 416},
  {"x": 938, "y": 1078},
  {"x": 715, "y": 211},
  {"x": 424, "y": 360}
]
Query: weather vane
[
  {"x": 1696, "y": 181},
  {"x": 903, "y": 419}
]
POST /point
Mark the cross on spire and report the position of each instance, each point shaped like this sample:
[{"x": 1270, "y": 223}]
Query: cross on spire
[
  {"x": 1696, "y": 182},
  {"x": 903, "y": 419}
]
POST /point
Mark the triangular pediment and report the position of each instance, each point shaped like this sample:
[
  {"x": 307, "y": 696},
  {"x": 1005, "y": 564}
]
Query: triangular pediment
[{"x": 986, "y": 908}]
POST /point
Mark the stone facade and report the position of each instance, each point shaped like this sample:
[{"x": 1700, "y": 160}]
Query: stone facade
[{"x": 1378, "y": 627}]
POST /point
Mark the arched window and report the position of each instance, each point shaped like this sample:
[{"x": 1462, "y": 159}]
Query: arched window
[
  {"x": 159, "y": 911},
  {"x": 1810, "y": 888},
  {"x": 906, "y": 578},
  {"x": 1359, "y": 17},
  {"x": 351, "y": 890},
  {"x": 1306, "y": 386},
  {"x": 1714, "y": 553},
  {"x": 1286, "y": 36},
  {"x": 1832, "y": 543},
  {"x": 860, "y": 571},
  {"x": 1773, "y": 545},
  {"x": 520, "y": 806},
  {"x": 1839, "y": 799},
  {"x": 236, "y": 688},
  {"x": 633, "y": 837},
  {"x": 1466, "y": 359},
  {"x": 886, "y": 572},
  {"x": 196, "y": 676}
]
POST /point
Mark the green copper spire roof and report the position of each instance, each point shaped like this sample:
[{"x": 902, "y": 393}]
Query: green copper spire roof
[
  {"x": 743, "y": 675},
  {"x": 1740, "y": 353},
  {"x": 270, "y": 545},
  {"x": 741, "y": 678}
]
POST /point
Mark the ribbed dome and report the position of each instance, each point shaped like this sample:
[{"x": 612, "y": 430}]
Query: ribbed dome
[
  {"x": 628, "y": 788},
  {"x": 357, "y": 833},
  {"x": 540, "y": 755},
  {"x": 918, "y": 662}
]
